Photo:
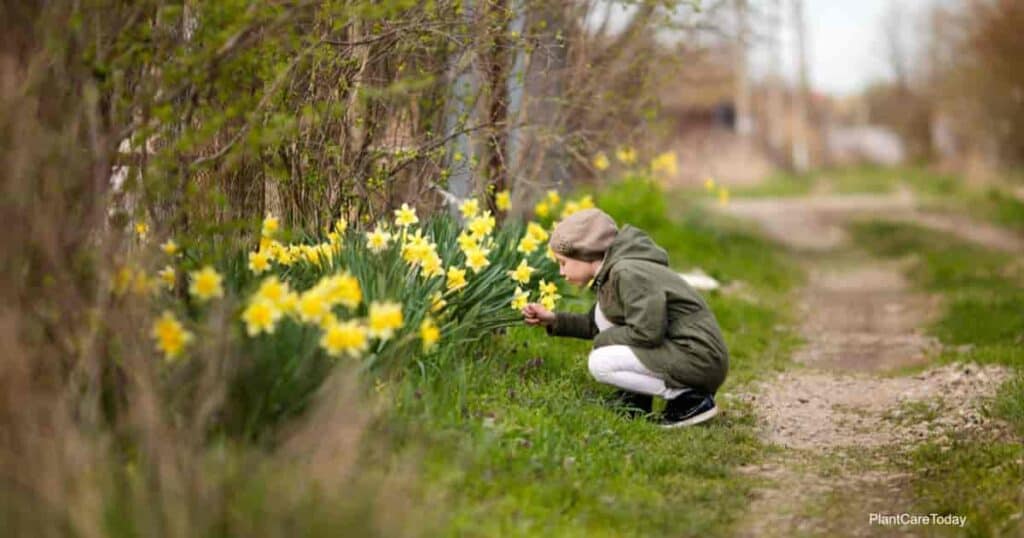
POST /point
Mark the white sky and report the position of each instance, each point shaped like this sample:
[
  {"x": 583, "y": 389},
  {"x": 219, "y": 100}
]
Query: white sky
[
  {"x": 846, "y": 45},
  {"x": 847, "y": 49}
]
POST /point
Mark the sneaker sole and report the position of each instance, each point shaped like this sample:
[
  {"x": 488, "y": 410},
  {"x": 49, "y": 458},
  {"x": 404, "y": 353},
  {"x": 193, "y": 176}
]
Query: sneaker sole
[{"x": 703, "y": 417}]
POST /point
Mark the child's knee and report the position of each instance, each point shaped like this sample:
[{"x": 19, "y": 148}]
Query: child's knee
[{"x": 599, "y": 364}]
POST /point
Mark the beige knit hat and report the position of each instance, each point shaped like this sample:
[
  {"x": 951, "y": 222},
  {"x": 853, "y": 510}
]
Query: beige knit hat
[{"x": 584, "y": 235}]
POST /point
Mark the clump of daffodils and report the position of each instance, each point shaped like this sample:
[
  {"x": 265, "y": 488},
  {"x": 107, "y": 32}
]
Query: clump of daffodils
[{"x": 550, "y": 204}]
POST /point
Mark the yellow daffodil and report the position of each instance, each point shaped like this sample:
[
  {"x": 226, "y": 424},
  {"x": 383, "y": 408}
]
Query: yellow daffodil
[
  {"x": 587, "y": 202},
  {"x": 482, "y": 225},
  {"x": 503, "y": 200},
  {"x": 476, "y": 259},
  {"x": 470, "y": 208},
  {"x": 437, "y": 302},
  {"x": 522, "y": 273},
  {"x": 528, "y": 244},
  {"x": 334, "y": 240},
  {"x": 723, "y": 196},
  {"x": 341, "y": 289},
  {"x": 405, "y": 216},
  {"x": 626, "y": 155},
  {"x": 415, "y": 247},
  {"x": 536, "y": 231},
  {"x": 600, "y": 161},
  {"x": 123, "y": 280},
  {"x": 312, "y": 255},
  {"x": 313, "y": 306},
  {"x": 345, "y": 337},
  {"x": 432, "y": 265},
  {"x": 270, "y": 226},
  {"x": 709, "y": 184},
  {"x": 570, "y": 208},
  {"x": 168, "y": 276},
  {"x": 429, "y": 333},
  {"x": 259, "y": 261},
  {"x": 553, "y": 197},
  {"x": 665, "y": 163},
  {"x": 142, "y": 229},
  {"x": 548, "y": 301},
  {"x": 456, "y": 279},
  {"x": 142, "y": 284},
  {"x": 542, "y": 210},
  {"x": 548, "y": 288},
  {"x": 550, "y": 254},
  {"x": 385, "y": 318},
  {"x": 467, "y": 241},
  {"x": 272, "y": 290},
  {"x": 169, "y": 247},
  {"x": 289, "y": 303},
  {"x": 340, "y": 225},
  {"x": 520, "y": 299},
  {"x": 260, "y": 316},
  {"x": 206, "y": 284},
  {"x": 378, "y": 239},
  {"x": 171, "y": 337}
]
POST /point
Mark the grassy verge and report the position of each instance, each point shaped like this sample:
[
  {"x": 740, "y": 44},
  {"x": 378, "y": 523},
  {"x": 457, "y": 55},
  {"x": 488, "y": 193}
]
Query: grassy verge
[
  {"x": 983, "y": 322},
  {"x": 519, "y": 443}
]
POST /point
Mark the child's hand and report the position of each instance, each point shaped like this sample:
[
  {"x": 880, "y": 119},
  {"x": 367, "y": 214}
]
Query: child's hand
[{"x": 536, "y": 314}]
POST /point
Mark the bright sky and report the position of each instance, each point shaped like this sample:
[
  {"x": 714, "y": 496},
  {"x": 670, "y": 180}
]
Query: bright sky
[
  {"x": 846, "y": 39},
  {"x": 847, "y": 46}
]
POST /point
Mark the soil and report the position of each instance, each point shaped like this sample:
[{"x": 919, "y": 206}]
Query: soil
[{"x": 864, "y": 386}]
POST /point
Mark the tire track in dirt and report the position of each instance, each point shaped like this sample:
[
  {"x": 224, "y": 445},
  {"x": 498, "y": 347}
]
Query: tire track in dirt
[{"x": 836, "y": 415}]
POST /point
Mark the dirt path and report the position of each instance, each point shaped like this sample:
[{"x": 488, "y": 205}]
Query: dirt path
[
  {"x": 837, "y": 417},
  {"x": 815, "y": 223}
]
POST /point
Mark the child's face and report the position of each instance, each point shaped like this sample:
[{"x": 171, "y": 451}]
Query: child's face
[{"x": 575, "y": 271}]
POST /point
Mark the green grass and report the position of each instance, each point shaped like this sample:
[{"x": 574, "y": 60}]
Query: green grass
[
  {"x": 866, "y": 179},
  {"x": 983, "y": 322},
  {"x": 516, "y": 440}
]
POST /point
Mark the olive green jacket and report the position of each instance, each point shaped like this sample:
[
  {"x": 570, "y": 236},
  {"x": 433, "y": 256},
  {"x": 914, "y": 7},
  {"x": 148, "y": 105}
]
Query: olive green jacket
[{"x": 660, "y": 317}]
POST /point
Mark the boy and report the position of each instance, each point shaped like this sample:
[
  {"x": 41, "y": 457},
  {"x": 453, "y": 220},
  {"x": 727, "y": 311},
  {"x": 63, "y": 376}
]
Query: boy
[{"x": 653, "y": 334}]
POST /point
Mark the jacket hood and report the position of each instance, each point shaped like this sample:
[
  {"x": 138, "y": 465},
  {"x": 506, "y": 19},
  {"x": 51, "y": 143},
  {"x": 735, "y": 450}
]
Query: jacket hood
[{"x": 630, "y": 244}]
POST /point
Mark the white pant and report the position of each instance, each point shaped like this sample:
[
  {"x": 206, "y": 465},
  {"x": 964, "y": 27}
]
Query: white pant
[{"x": 619, "y": 366}]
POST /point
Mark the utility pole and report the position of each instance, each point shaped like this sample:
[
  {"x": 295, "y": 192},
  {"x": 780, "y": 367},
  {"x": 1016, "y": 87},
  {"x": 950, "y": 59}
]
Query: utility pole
[
  {"x": 744, "y": 125},
  {"x": 801, "y": 156},
  {"x": 776, "y": 91}
]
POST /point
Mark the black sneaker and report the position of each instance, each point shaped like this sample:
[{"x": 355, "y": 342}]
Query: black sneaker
[
  {"x": 632, "y": 404},
  {"x": 691, "y": 407}
]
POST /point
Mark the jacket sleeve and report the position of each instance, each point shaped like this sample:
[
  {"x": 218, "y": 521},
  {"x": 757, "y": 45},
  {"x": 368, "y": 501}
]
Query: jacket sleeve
[
  {"x": 646, "y": 312},
  {"x": 574, "y": 325}
]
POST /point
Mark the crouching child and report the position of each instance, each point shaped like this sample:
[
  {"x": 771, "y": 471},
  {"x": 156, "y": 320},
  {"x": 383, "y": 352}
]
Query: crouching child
[{"x": 653, "y": 334}]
